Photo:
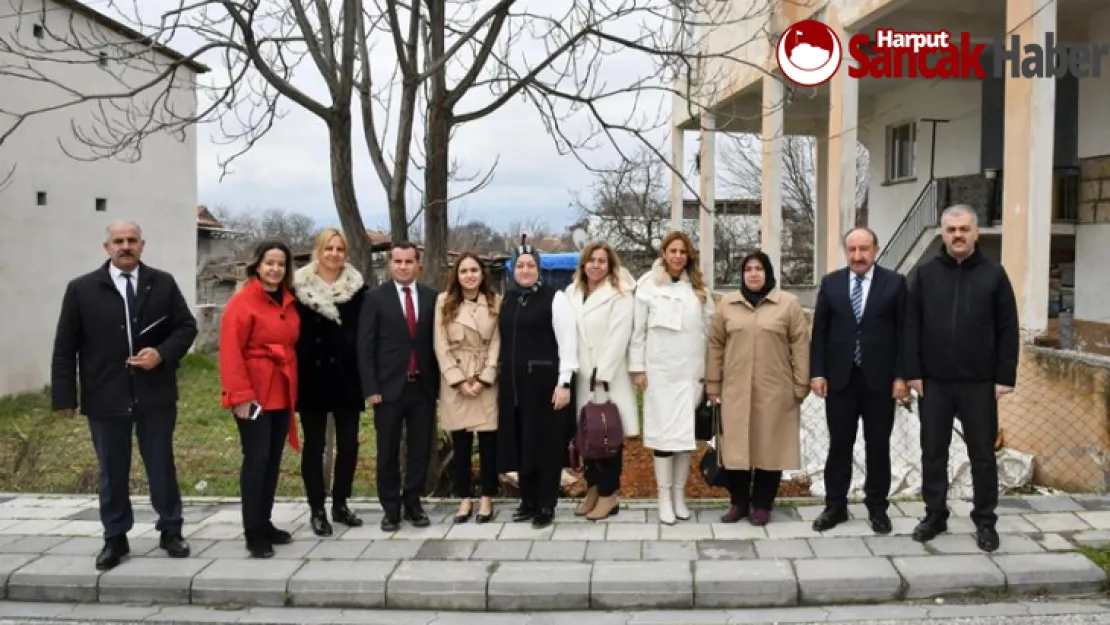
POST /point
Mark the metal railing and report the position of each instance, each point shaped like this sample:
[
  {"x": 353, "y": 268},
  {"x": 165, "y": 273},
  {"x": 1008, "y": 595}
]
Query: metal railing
[{"x": 922, "y": 216}]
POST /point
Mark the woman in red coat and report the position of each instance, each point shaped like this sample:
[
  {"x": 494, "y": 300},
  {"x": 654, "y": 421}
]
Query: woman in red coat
[{"x": 258, "y": 372}]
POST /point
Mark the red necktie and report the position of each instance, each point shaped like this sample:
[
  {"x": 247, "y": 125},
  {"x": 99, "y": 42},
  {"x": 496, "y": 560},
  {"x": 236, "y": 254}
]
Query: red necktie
[{"x": 410, "y": 318}]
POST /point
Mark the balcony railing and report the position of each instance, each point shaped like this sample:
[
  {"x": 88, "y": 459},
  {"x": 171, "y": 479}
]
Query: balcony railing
[{"x": 922, "y": 216}]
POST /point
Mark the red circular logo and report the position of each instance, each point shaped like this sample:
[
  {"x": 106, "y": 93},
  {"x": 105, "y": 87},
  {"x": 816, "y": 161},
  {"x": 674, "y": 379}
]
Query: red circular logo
[{"x": 809, "y": 53}]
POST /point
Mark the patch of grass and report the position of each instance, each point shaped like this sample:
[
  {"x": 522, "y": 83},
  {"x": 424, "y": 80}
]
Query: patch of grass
[
  {"x": 41, "y": 452},
  {"x": 1100, "y": 556}
]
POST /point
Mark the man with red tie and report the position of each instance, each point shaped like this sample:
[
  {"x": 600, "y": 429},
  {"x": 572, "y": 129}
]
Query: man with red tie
[{"x": 400, "y": 377}]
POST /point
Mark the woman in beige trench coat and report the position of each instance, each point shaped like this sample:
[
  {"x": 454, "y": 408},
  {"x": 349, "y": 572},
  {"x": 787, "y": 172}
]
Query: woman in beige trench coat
[
  {"x": 467, "y": 343},
  {"x": 757, "y": 368}
]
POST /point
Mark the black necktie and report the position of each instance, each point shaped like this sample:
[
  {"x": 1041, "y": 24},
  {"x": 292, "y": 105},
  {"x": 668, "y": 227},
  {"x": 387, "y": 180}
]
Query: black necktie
[{"x": 130, "y": 291}]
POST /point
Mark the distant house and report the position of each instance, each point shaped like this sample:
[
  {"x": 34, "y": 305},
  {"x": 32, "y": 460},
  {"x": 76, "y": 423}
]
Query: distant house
[{"x": 218, "y": 268}]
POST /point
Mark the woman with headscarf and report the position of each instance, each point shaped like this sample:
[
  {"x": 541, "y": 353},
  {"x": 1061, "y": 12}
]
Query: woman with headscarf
[
  {"x": 672, "y": 311},
  {"x": 539, "y": 355},
  {"x": 757, "y": 369}
]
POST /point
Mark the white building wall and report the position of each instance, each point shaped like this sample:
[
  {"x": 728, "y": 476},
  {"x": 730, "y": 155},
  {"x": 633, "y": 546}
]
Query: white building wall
[
  {"x": 957, "y": 143},
  {"x": 1092, "y": 241},
  {"x": 43, "y": 247}
]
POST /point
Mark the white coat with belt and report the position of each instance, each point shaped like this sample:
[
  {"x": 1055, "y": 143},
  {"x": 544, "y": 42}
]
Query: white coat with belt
[{"x": 604, "y": 322}]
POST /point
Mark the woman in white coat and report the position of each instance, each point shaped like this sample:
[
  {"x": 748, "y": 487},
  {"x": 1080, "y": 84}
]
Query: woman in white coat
[
  {"x": 603, "y": 308},
  {"x": 672, "y": 314}
]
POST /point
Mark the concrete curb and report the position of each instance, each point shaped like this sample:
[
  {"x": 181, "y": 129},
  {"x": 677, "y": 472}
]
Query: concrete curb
[{"x": 538, "y": 586}]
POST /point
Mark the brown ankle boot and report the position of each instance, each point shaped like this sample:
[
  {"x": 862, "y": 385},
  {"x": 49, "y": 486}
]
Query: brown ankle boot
[
  {"x": 588, "y": 503},
  {"x": 606, "y": 507}
]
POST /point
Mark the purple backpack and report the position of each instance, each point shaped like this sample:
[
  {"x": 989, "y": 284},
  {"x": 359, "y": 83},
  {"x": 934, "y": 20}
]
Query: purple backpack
[{"x": 600, "y": 433}]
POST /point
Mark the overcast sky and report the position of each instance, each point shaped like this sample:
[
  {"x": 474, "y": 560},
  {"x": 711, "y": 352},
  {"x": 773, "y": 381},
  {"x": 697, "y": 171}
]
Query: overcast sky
[{"x": 289, "y": 168}]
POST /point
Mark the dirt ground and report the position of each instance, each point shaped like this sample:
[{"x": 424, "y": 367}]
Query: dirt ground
[{"x": 638, "y": 477}]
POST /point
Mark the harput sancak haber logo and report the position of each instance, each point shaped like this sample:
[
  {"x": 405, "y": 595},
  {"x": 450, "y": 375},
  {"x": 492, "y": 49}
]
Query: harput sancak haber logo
[{"x": 809, "y": 54}]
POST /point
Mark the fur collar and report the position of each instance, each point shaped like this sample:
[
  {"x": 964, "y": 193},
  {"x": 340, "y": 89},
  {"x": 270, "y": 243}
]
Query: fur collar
[
  {"x": 661, "y": 277},
  {"x": 322, "y": 298}
]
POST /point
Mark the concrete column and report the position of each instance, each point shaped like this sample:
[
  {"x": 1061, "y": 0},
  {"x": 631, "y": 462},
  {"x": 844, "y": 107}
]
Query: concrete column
[
  {"x": 678, "y": 164},
  {"x": 840, "y": 166},
  {"x": 770, "y": 240},
  {"x": 1027, "y": 170},
  {"x": 821, "y": 218},
  {"x": 707, "y": 189}
]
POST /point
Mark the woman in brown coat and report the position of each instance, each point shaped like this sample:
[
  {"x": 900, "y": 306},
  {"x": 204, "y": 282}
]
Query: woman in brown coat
[
  {"x": 758, "y": 370},
  {"x": 467, "y": 344}
]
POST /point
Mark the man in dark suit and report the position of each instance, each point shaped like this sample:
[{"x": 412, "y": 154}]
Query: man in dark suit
[
  {"x": 400, "y": 377},
  {"x": 856, "y": 362},
  {"x": 122, "y": 331}
]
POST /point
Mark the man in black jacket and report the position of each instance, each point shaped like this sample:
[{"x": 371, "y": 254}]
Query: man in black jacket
[
  {"x": 856, "y": 361},
  {"x": 122, "y": 331},
  {"x": 400, "y": 378},
  {"x": 961, "y": 356}
]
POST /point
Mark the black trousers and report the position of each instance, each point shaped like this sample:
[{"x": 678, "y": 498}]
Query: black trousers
[
  {"x": 111, "y": 438},
  {"x": 753, "y": 489},
  {"x": 263, "y": 443},
  {"x": 539, "y": 487},
  {"x": 844, "y": 409},
  {"x": 413, "y": 414},
  {"x": 462, "y": 445},
  {"x": 605, "y": 474},
  {"x": 977, "y": 408},
  {"x": 315, "y": 427}
]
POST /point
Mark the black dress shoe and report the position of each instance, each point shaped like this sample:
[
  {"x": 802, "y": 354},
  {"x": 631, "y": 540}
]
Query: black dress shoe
[
  {"x": 174, "y": 544},
  {"x": 929, "y": 528},
  {"x": 342, "y": 514},
  {"x": 415, "y": 515},
  {"x": 986, "y": 538},
  {"x": 319, "y": 523},
  {"x": 829, "y": 518},
  {"x": 276, "y": 536},
  {"x": 463, "y": 517},
  {"x": 524, "y": 513},
  {"x": 880, "y": 522},
  {"x": 390, "y": 524},
  {"x": 258, "y": 544},
  {"x": 114, "y": 551},
  {"x": 543, "y": 518},
  {"x": 485, "y": 518}
]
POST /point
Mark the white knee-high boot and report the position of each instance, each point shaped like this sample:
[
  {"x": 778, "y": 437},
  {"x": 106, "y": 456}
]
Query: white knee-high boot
[
  {"x": 681, "y": 473},
  {"x": 664, "y": 479}
]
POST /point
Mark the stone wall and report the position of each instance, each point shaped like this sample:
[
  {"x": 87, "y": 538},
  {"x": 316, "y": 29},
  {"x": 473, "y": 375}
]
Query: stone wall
[
  {"x": 1094, "y": 190},
  {"x": 208, "y": 329},
  {"x": 1060, "y": 413}
]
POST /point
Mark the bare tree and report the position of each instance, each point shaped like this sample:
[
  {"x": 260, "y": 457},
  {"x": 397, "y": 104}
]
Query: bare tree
[
  {"x": 295, "y": 229},
  {"x": 258, "y": 45},
  {"x": 629, "y": 206},
  {"x": 741, "y": 174},
  {"x": 573, "y": 44}
]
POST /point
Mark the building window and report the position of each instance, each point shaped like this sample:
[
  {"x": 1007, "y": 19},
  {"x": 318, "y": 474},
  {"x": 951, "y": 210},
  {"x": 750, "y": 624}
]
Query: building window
[
  {"x": 37, "y": 31},
  {"x": 901, "y": 140},
  {"x": 101, "y": 205},
  {"x": 40, "y": 198},
  {"x": 102, "y": 59}
]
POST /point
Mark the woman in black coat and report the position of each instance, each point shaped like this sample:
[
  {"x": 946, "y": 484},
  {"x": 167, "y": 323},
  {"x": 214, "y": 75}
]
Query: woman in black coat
[
  {"x": 329, "y": 299},
  {"x": 539, "y": 355}
]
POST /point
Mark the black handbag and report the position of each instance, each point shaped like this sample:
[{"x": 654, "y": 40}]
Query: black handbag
[
  {"x": 711, "y": 468},
  {"x": 703, "y": 420}
]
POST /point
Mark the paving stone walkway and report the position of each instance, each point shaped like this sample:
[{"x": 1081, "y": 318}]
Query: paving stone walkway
[{"x": 630, "y": 561}]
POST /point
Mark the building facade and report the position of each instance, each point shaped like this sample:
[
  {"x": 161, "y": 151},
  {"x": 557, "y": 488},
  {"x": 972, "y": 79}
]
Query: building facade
[
  {"x": 56, "y": 207},
  {"x": 1032, "y": 156}
]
